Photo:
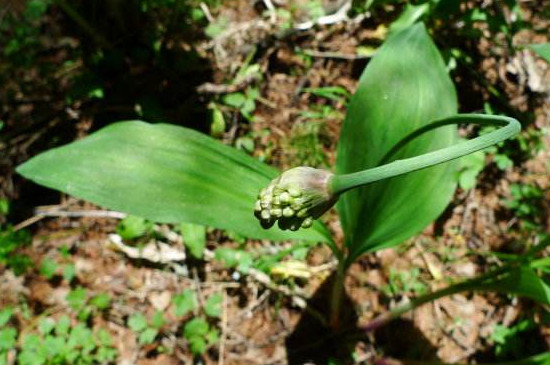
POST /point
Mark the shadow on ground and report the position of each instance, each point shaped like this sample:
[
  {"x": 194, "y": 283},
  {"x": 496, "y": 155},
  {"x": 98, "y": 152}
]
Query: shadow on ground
[{"x": 314, "y": 342}]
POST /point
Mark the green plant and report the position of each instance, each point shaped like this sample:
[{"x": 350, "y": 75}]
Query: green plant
[
  {"x": 56, "y": 342},
  {"x": 200, "y": 335},
  {"x": 510, "y": 341},
  {"x": 184, "y": 303},
  {"x": 198, "y": 332},
  {"x": 133, "y": 227},
  {"x": 305, "y": 143},
  {"x": 405, "y": 282},
  {"x": 525, "y": 202},
  {"x": 11, "y": 242},
  {"x": 61, "y": 342},
  {"x": 401, "y": 123},
  {"x": 8, "y": 334},
  {"x": 147, "y": 330},
  {"x": 245, "y": 102},
  {"x": 194, "y": 238},
  {"x": 79, "y": 301}
]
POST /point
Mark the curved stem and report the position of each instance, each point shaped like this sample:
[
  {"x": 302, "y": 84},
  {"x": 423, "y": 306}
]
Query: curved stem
[
  {"x": 342, "y": 183},
  {"x": 472, "y": 284}
]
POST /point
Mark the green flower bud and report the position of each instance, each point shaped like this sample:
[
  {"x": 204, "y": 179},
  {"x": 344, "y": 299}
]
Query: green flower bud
[{"x": 295, "y": 199}]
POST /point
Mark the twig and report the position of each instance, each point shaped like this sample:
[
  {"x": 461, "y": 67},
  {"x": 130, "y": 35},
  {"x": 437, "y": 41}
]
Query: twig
[
  {"x": 264, "y": 279},
  {"x": 272, "y": 11},
  {"x": 471, "y": 204},
  {"x": 210, "y": 88},
  {"x": 223, "y": 329},
  {"x": 339, "y": 16},
  {"x": 433, "y": 269},
  {"x": 206, "y": 12},
  {"x": 198, "y": 291},
  {"x": 80, "y": 213},
  {"x": 27, "y": 222},
  {"x": 41, "y": 214},
  {"x": 336, "y": 55}
]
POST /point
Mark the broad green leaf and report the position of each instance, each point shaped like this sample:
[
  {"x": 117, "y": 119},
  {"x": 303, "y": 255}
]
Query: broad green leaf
[
  {"x": 409, "y": 16},
  {"x": 194, "y": 238},
  {"x": 163, "y": 173},
  {"x": 522, "y": 281},
  {"x": 542, "y": 50},
  {"x": 404, "y": 87}
]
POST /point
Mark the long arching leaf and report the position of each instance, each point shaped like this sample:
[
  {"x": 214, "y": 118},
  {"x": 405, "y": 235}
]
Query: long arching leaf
[
  {"x": 164, "y": 173},
  {"x": 404, "y": 87}
]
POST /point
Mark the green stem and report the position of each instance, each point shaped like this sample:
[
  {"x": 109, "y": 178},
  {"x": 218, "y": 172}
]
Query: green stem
[
  {"x": 540, "y": 359},
  {"x": 342, "y": 183},
  {"x": 467, "y": 285},
  {"x": 337, "y": 295}
]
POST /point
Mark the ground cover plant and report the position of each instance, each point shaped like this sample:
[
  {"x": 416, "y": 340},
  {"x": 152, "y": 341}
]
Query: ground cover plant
[{"x": 401, "y": 119}]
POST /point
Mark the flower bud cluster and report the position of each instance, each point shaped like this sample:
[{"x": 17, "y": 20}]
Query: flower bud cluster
[{"x": 295, "y": 199}]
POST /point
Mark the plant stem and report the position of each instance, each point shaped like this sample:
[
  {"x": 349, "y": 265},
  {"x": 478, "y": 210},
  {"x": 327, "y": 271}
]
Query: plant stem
[
  {"x": 471, "y": 284},
  {"x": 337, "y": 295},
  {"x": 342, "y": 183},
  {"x": 540, "y": 359}
]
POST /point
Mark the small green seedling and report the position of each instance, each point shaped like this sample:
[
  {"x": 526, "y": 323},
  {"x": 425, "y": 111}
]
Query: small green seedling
[
  {"x": 198, "y": 331},
  {"x": 147, "y": 330},
  {"x": 525, "y": 203},
  {"x": 404, "y": 282},
  {"x": 61, "y": 342},
  {"x": 194, "y": 238},
  {"x": 8, "y": 334},
  {"x": 245, "y": 103},
  {"x": 511, "y": 342},
  {"x": 49, "y": 268},
  {"x": 200, "y": 335},
  {"x": 184, "y": 303},
  {"x": 84, "y": 306},
  {"x": 10, "y": 244},
  {"x": 133, "y": 227}
]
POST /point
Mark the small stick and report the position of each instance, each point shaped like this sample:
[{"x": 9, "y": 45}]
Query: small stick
[
  {"x": 271, "y": 9},
  {"x": 224, "y": 328},
  {"x": 339, "y": 16},
  {"x": 81, "y": 213},
  {"x": 336, "y": 55},
  {"x": 206, "y": 12}
]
